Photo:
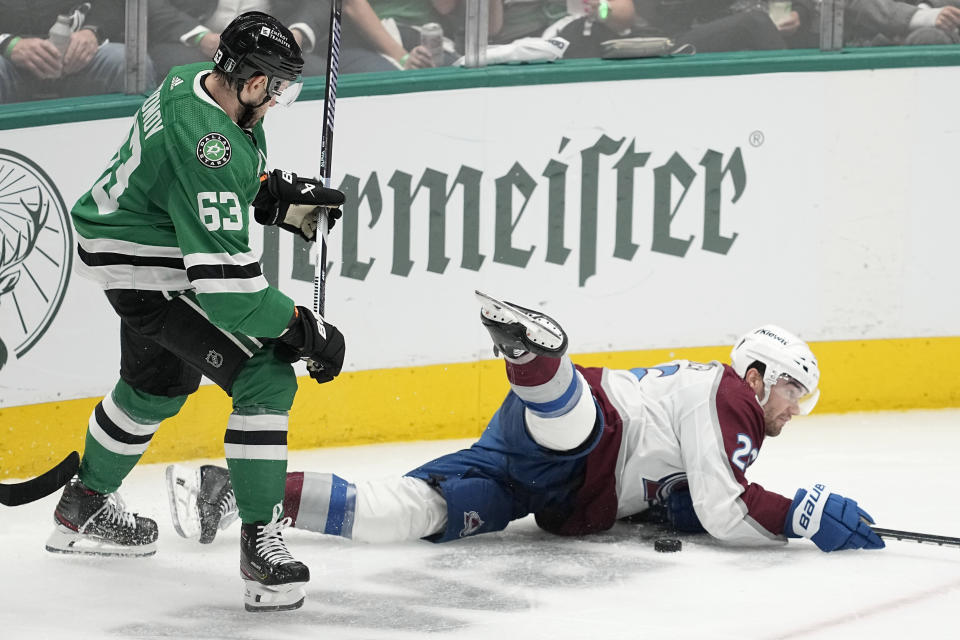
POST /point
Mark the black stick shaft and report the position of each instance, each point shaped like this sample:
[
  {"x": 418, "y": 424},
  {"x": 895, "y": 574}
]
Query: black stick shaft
[
  {"x": 917, "y": 537},
  {"x": 326, "y": 149},
  {"x": 13, "y": 495}
]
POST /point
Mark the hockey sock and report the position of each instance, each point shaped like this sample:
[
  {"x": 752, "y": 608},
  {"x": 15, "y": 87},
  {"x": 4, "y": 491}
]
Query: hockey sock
[
  {"x": 321, "y": 502},
  {"x": 119, "y": 432},
  {"x": 256, "y": 451},
  {"x": 560, "y": 412},
  {"x": 378, "y": 511}
]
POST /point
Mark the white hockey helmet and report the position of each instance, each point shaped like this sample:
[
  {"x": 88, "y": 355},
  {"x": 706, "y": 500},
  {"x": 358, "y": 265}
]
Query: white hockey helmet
[{"x": 783, "y": 354}]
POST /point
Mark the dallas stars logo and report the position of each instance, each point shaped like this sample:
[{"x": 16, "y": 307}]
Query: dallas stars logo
[{"x": 213, "y": 150}]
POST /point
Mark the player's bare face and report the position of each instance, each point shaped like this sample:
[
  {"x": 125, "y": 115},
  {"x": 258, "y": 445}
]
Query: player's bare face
[
  {"x": 255, "y": 103},
  {"x": 782, "y": 405},
  {"x": 261, "y": 111},
  {"x": 250, "y": 115}
]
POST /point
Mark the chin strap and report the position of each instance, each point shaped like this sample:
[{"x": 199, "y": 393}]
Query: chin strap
[
  {"x": 251, "y": 106},
  {"x": 768, "y": 386},
  {"x": 766, "y": 394}
]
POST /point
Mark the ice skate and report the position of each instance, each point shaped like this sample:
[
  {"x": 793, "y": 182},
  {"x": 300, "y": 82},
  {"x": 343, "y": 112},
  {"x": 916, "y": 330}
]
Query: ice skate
[
  {"x": 92, "y": 523},
  {"x": 515, "y": 329},
  {"x": 273, "y": 580},
  {"x": 201, "y": 500}
]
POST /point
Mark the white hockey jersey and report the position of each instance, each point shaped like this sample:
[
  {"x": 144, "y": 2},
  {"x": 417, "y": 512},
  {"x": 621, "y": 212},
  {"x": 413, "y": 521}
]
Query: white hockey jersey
[{"x": 677, "y": 425}]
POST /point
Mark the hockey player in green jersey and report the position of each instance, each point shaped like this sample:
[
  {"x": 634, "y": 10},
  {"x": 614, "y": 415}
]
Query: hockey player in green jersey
[{"x": 165, "y": 230}]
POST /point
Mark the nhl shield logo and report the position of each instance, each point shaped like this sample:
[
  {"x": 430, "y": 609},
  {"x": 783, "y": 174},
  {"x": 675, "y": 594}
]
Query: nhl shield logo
[
  {"x": 213, "y": 150},
  {"x": 36, "y": 253},
  {"x": 214, "y": 359},
  {"x": 471, "y": 523}
]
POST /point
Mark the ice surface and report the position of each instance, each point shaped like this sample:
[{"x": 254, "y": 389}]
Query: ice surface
[{"x": 523, "y": 583}]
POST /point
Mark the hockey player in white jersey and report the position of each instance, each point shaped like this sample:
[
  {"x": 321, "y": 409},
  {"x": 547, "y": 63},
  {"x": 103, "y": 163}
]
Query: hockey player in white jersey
[{"x": 582, "y": 447}]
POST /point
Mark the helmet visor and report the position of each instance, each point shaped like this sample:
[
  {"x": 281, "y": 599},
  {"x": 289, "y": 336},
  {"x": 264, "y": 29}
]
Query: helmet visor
[
  {"x": 789, "y": 389},
  {"x": 285, "y": 92}
]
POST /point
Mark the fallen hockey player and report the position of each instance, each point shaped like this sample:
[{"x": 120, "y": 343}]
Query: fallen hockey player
[{"x": 580, "y": 448}]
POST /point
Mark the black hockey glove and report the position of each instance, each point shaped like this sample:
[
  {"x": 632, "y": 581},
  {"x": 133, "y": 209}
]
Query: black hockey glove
[
  {"x": 293, "y": 203},
  {"x": 318, "y": 341}
]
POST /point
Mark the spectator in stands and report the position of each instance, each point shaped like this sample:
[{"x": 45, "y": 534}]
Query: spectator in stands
[
  {"x": 871, "y": 23},
  {"x": 32, "y": 66},
  {"x": 390, "y": 30},
  {"x": 403, "y": 20},
  {"x": 183, "y": 31},
  {"x": 714, "y": 25},
  {"x": 707, "y": 25},
  {"x": 186, "y": 31},
  {"x": 527, "y": 19},
  {"x": 371, "y": 45},
  {"x": 601, "y": 20}
]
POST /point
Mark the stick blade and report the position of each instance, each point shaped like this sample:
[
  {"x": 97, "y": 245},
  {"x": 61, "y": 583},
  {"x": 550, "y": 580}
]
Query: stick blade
[{"x": 14, "y": 495}]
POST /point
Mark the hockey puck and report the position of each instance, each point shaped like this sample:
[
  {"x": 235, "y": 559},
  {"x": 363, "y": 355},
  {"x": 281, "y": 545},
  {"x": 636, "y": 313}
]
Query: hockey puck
[{"x": 667, "y": 545}]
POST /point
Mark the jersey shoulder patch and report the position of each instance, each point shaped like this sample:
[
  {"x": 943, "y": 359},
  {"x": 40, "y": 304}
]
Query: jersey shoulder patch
[{"x": 213, "y": 150}]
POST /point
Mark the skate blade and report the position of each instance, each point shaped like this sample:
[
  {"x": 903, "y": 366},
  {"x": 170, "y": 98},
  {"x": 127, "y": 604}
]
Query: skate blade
[
  {"x": 183, "y": 486},
  {"x": 227, "y": 520},
  {"x": 494, "y": 309},
  {"x": 67, "y": 541},
  {"x": 542, "y": 337},
  {"x": 259, "y": 598}
]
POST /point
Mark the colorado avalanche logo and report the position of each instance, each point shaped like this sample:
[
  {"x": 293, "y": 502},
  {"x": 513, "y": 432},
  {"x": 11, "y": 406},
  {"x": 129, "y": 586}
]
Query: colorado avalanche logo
[
  {"x": 36, "y": 253},
  {"x": 659, "y": 490},
  {"x": 471, "y": 523}
]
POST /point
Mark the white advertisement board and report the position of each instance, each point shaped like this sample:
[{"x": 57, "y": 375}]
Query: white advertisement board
[{"x": 642, "y": 214}]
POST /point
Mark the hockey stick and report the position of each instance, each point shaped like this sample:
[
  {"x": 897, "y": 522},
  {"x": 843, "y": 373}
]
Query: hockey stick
[
  {"x": 13, "y": 495},
  {"x": 917, "y": 537},
  {"x": 326, "y": 152}
]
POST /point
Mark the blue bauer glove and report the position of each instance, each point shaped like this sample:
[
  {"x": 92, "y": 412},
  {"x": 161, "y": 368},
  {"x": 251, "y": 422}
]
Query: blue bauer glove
[
  {"x": 831, "y": 521},
  {"x": 680, "y": 513}
]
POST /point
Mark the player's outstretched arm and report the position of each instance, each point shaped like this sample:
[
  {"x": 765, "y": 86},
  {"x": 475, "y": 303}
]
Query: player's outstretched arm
[{"x": 831, "y": 521}]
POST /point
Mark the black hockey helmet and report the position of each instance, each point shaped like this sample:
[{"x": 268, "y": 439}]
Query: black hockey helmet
[{"x": 255, "y": 42}]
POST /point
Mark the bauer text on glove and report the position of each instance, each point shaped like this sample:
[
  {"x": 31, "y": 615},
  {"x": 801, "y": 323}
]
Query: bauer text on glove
[
  {"x": 293, "y": 203},
  {"x": 311, "y": 338},
  {"x": 831, "y": 521}
]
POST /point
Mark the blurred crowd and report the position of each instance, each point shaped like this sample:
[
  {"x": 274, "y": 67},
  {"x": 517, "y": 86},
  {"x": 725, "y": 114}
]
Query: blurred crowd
[{"x": 59, "y": 48}]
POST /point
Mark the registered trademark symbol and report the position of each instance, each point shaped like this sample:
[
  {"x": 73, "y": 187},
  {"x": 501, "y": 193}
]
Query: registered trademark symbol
[{"x": 756, "y": 138}]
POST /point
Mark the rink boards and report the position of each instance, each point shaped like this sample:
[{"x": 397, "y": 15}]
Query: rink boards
[{"x": 655, "y": 218}]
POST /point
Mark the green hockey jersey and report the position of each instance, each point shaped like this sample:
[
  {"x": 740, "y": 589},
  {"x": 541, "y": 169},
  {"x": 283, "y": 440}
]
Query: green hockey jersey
[{"x": 172, "y": 211}]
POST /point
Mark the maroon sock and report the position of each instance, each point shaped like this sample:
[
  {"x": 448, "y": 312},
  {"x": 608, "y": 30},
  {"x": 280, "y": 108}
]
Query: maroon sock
[{"x": 291, "y": 496}]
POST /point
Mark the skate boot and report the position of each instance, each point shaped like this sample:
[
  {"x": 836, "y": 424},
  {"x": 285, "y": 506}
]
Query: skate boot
[
  {"x": 273, "y": 579},
  {"x": 515, "y": 329},
  {"x": 98, "y": 524},
  {"x": 201, "y": 500}
]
